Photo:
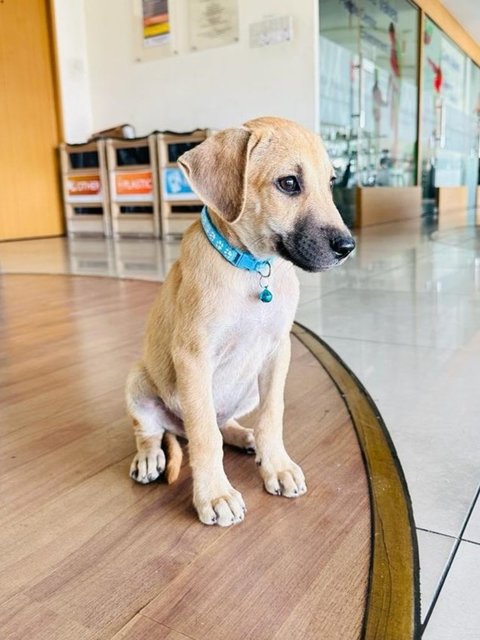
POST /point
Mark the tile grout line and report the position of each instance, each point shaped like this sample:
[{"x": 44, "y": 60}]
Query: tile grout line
[
  {"x": 453, "y": 554},
  {"x": 471, "y": 542},
  {"x": 437, "y": 533}
]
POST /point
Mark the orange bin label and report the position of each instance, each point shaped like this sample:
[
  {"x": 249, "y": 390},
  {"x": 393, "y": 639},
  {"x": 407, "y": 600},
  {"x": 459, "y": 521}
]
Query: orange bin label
[
  {"x": 84, "y": 185},
  {"x": 133, "y": 183}
]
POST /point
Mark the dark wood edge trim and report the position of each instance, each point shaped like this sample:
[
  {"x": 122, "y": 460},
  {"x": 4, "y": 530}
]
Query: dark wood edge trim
[{"x": 393, "y": 600}]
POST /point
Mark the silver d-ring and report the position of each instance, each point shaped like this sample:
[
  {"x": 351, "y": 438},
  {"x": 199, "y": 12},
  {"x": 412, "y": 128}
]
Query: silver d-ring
[{"x": 265, "y": 275}]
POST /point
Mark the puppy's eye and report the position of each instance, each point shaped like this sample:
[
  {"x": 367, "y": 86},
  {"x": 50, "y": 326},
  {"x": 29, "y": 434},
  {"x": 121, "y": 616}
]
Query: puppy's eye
[
  {"x": 288, "y": 184},
  {"x": 332, "y": 181}
]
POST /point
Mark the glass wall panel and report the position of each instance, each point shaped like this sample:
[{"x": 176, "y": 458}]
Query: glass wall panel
[
  {"x": 389, "y": 95},
  {"x": 472, "y": 177},
  {"x": 451, "y": 94},
  {"x": 340, "y": 97},
  {"x": 368, "y": 93}
]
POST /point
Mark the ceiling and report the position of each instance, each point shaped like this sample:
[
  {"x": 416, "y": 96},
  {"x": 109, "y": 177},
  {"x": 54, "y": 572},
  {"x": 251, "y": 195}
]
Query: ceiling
[{"x": 467, "y": 12}]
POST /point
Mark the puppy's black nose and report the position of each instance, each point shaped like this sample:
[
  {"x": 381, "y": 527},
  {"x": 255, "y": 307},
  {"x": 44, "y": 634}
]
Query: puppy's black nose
[{"x": 342, "y": 245}]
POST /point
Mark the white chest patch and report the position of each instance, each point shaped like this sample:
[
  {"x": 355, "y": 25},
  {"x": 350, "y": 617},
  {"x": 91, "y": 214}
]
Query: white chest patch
[{"x": 245, "y": 333}]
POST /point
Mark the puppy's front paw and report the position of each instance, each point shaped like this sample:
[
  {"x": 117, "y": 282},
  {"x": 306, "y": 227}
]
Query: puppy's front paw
[
  {"x": 148, "y": 465},
  {"x": 282, "y": 477},
  {"x": 222, "y": 505}
]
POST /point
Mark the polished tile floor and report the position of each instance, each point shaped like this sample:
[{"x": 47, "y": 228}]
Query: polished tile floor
[{"x": 404, "y": 313}]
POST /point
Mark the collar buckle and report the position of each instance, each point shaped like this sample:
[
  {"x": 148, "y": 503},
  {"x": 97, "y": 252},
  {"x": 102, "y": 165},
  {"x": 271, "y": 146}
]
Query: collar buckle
[{"x": 244, "y": 261}]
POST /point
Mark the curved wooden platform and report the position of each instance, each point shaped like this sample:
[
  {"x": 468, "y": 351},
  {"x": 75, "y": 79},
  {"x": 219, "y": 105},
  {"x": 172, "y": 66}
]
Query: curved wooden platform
[{"x": 88, "y": 554}]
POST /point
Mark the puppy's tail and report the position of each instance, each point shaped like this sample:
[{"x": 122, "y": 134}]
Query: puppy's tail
[{"x": 173, "y": 455}]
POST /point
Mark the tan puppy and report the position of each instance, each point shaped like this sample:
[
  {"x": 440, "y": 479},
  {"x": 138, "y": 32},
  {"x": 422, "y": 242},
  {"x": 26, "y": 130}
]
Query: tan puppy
[{"x": 213, "y": 350}]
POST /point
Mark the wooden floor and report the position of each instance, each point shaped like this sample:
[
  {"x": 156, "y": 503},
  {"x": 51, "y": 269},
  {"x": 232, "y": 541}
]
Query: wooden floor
[{"x": 85, "y": 553}]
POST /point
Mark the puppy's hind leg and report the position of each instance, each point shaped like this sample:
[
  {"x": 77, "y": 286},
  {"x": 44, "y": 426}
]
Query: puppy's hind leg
[
  {"x": 145, "y": 408},
  {"x": 237, "y": 436}
]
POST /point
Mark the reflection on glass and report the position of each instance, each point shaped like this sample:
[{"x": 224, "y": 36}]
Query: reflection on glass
[
  {"x": 473, "y": 165},
  {"x": 340, "y": 103},
  {"x": 368, "y": 93},
  {"x": 389, "y": 93},
  {"x": 451, "y": 95}
]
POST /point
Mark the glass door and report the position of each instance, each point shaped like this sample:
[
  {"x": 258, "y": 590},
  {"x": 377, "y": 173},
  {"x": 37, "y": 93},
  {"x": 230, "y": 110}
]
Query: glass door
[
  {"x": 450, "y": 136},
  {"x": 388, "y": 97},
  {"x": 472, "y": 176},
  {"x": 340, "y": 99},
  {"x": 368, "y": 94}
]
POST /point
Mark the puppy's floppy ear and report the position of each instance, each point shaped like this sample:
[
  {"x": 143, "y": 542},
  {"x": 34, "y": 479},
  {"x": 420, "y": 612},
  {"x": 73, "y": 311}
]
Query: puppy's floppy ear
[{"x": 216, "y": 170}]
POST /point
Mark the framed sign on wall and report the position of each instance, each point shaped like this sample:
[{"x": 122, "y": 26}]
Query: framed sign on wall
[
  {"x": 153, "y": 34},
  {"x": 212, "y": 23}
]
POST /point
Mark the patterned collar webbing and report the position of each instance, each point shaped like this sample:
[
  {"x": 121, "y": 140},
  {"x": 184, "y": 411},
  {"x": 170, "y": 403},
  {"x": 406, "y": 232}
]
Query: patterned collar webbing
[{"x": 240, "y": 259}]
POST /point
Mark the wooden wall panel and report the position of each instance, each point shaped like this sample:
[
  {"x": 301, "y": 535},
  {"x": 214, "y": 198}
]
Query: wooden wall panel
[
  {"x": 30, "y": 203},
  {"x": 387, "y": 204},
  {"x": 452, "y": 203}
]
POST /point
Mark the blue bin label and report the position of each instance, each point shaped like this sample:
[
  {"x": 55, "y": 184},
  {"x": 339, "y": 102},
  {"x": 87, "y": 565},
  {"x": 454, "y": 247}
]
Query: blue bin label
[{"x": 175, "y": 185}]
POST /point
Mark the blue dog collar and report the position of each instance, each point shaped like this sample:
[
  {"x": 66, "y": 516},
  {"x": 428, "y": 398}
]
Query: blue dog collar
[{"x": 236, "y": 257}]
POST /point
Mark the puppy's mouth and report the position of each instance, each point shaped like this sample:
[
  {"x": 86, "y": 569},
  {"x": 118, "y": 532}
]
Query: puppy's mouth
[
  {"x": 314, "y": 249},
  {"x": 308, "y": 262}
]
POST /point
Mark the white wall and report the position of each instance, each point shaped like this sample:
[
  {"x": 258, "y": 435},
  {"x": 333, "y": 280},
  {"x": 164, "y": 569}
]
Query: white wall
[
  {"x": 215, "y": 88},
  {"x": 73, "y": 69}
]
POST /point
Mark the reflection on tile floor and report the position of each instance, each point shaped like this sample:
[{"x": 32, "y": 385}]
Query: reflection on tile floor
[{"x": 404, "y": 314}]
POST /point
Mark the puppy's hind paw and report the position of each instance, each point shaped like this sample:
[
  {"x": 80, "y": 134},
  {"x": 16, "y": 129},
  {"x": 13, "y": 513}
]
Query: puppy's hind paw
[
  {"x": 237, "y": 436},
  {"x": 147, "y": 466}
]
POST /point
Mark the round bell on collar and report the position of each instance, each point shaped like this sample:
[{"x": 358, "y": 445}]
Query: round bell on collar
[{"x": 265, "y": 295}]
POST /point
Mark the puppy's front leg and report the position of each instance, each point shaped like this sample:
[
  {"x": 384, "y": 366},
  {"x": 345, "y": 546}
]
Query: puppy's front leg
[
  {"x": 214, "y": 498},
  {"x": 280, "y": 474}
]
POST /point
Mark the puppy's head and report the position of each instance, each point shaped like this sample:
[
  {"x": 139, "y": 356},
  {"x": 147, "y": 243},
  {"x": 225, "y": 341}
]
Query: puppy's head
[{"x": 272, "y": 181}]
